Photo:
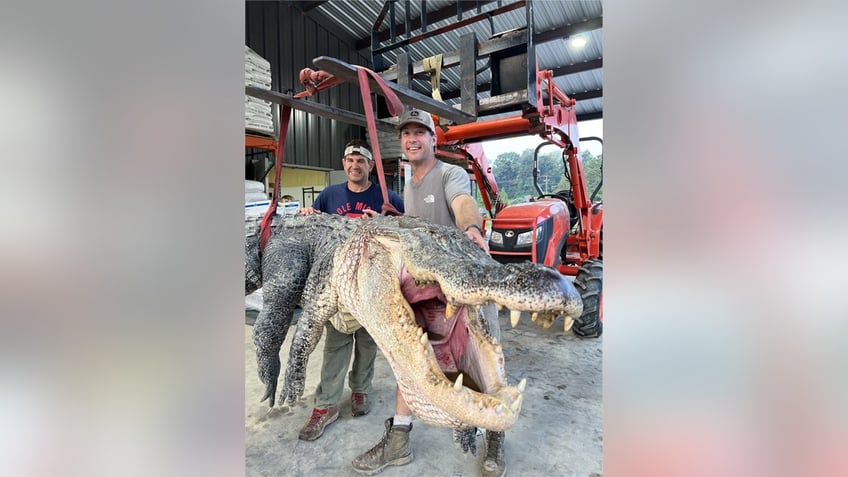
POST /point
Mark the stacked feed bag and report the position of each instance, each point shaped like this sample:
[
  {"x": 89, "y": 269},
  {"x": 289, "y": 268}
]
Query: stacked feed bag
[
  {"x": 254, "y": 191},
  {"x": 257, "y": 112},
  {"x": 255, "y": 199}
]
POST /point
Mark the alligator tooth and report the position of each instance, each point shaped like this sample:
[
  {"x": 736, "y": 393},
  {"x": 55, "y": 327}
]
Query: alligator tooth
[
  {"x": 498, "y": 349},
  {"x": 424, "y": 339},
  {"x": 516, "y": 405},
  {"x": 521, "y": 385},
  {"x": 494, "y": 340},
  {"x": 450, "y": 310},
  {"x": 479, "y": 405},
  {"x": 569, "y": 321},
  {"x": 457, "y": 386},
  {"x": 514, "y": 315},
  {"x": 500, "y": 307},
  {"x": 534, "y": 316},
  {"x": 500, "y": 409}
]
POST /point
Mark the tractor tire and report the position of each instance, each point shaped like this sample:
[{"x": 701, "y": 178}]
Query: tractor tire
[{"x": 589, "y": 282}]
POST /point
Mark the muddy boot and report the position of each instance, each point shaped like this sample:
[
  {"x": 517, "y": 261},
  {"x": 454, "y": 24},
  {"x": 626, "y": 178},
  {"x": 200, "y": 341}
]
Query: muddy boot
[
  {"x": 393, "y": 449},
  {"x": 494, "y": 465}
]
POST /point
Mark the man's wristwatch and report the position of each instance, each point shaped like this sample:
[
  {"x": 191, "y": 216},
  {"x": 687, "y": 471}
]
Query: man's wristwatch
[{"x": 475, "y": 226}]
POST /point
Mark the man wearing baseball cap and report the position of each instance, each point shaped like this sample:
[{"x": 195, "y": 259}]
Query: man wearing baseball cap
[
  {"x": 440, "y": 193},
  {"x": 343, "y": 334}
]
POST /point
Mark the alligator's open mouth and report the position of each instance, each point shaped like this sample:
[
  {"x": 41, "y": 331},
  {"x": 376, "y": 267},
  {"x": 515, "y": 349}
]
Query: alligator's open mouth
[
  {"x": 455, "y": 335},
  {"x": 466, "y": 364}
]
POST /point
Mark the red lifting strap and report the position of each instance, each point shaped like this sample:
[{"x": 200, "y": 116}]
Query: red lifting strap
[
  {"x": 314, "y": 81},
  {"x": 265, "y": 227},
  {"x": 395, "y": 108}
]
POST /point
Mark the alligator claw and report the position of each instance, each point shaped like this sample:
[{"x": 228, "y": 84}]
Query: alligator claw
[
  {"x": 270, "y": 392},
  {"x": 292, "y": 388},
  {"x": 466, "y": 439},
  {"x": 269, "y": 370}
]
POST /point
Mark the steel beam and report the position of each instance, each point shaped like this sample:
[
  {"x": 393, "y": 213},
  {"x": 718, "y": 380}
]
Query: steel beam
[
  {"x": 569, "y": 30},
  {"x": 305, "y": 7},
  {"x": 319, "y": 109},
  {"x": 595, "y": 93},
  {"x": 577, "y": 68},
  {"x": 590, "y": 116},
  {"x": 468, "y": 67}
]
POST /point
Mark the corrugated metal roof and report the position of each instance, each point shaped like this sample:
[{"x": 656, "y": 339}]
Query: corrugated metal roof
[{"x": 357, "y": 19}]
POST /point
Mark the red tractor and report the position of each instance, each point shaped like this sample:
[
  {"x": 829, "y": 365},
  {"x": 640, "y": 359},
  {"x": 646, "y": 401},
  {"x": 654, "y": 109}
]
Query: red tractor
[{"x": 562, "y": 230}]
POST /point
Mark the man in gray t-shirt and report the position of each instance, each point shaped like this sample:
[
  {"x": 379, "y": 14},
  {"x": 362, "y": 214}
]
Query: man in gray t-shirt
[
  {"x": 435, "y": 191},
  {"x": 440, "y": 193}
]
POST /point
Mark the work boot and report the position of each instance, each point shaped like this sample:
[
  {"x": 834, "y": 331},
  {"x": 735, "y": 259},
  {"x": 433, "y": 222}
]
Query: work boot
[
  {"x": 494, "y": 465},
  {"x": 393, "y": 449},
  {"x": 359, "y": 405},
  {"x": 320, "y": 419}
]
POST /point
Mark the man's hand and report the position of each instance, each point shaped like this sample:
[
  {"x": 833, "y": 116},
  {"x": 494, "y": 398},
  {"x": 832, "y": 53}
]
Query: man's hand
[
  {"x": 368, "y": 213},
  {"x": 308, "y": 211},
  {"x": 476, "y": 236}
]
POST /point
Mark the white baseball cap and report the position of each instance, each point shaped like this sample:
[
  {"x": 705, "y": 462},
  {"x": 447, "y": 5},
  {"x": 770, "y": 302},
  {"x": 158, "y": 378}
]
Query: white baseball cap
[
  {"x": 361, "y": 150},
  {"x": 416, "y": 116}
]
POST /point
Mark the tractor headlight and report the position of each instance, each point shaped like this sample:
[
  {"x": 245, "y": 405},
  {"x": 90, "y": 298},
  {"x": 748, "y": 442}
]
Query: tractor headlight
[
  {"x": 496, "y": 238},
  {"x": 526, "y": 238}
]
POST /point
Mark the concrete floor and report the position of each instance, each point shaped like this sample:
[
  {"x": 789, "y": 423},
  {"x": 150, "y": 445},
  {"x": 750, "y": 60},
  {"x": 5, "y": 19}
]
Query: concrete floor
[{"x": 559, "y": 431}]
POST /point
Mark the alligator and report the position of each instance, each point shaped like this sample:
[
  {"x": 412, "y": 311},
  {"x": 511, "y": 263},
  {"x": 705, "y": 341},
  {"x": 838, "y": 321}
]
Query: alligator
[{"x": 418, "y": 288}]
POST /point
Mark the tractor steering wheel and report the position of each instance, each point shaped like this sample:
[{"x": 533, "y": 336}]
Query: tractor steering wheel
[
  {"x": 567, "y": 197},
  {"x": 562, "y": 195}
]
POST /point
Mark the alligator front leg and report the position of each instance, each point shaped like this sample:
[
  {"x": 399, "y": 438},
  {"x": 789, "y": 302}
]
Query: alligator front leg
[
  {"x": 466, "y": 439},
  {"x": 284, "y": 279},
  {"x": 316, "y": 313},
  {"x": 269, "y": 332}
]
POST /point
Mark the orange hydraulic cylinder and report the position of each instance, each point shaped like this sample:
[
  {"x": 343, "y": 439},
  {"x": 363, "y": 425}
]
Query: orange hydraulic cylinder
[{"x": 484, "y": 129}]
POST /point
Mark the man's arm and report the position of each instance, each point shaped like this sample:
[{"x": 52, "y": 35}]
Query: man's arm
[{"x": 468, "y": 219}]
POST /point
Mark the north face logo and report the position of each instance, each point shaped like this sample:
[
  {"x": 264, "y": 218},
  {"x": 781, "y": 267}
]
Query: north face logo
[{"x": 413, "y": 113}]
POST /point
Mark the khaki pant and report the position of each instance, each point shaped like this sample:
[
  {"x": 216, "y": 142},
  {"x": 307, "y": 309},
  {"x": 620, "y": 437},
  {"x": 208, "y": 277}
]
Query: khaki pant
[{"x": 337, "y": 350}]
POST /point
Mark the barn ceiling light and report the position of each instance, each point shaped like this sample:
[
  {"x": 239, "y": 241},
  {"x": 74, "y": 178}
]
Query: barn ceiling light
[{"x": 578, "y": 41}]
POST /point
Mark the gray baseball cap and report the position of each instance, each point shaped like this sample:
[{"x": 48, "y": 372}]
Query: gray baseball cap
[{"x": 416, "y": 116}]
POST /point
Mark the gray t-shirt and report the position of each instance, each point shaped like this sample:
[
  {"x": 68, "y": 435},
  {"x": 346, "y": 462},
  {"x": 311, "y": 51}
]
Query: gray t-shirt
[{"x": 431, "y": 197}]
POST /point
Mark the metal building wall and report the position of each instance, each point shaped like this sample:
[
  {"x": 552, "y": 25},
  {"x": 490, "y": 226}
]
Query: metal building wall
[{"x": 290, "y": 41}]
